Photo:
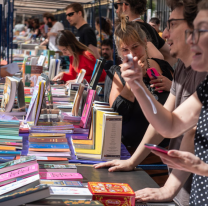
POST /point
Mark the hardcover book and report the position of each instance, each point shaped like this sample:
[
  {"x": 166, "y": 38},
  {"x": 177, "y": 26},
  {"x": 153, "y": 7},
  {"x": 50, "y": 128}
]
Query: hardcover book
[
  {"x": 112, "y": 193},
  {"x": 62, "y": 183},
  {"x": 60, "y": 176}
]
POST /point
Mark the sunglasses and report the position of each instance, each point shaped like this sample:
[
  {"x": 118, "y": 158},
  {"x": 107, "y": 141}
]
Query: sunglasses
[
  {"x": 116, "y": 4},
  {"x": 70, "y": 14}
]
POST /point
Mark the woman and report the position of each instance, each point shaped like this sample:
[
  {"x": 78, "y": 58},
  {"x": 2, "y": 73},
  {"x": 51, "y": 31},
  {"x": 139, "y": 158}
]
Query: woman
[
  {"x": 80, "y": 58},
  {"x": 105, "y": 32},
  {"x": 129, "y": 38},
  {"x": 192, "y": 112},
  {"x": 36, "y": 29}
]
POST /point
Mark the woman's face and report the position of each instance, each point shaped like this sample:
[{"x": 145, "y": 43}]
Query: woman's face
[
  {"x": 66, "y": 51},
  {"x": 136, "y": 49},
  {"x": 200, "y": 49}
]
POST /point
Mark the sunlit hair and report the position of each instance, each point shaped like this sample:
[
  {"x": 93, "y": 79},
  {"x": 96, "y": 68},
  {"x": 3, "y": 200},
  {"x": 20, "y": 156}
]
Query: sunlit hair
[
  {"x": 127, "y": 31},
  {"x": 203, "y": 5},
  {"x": 67, "y": 39}
]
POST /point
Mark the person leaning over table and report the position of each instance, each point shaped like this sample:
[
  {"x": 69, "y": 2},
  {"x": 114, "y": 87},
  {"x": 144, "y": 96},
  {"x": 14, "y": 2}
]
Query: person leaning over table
[
  {"x": 81, "y": 57},
  {"x": 193, "y": 112},
  {"x": 131, "y": 39}
]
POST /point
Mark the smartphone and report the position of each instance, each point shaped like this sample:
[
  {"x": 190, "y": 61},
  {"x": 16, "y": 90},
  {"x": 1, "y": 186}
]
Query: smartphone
[
  {"x": 152, "y": 72},
  {"x": 130, "y": 59},
  {"x": 156, "y": 148}
]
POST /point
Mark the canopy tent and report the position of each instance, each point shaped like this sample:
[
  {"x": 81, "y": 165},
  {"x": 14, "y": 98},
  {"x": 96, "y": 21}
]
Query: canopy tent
[{"x": 34, "y": 7}]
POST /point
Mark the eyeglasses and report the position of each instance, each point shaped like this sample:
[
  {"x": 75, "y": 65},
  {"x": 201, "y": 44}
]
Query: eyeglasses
[
  {"x": 169, "y": 25},
  {"x": 195, "y": 34},
  {"x": 70, "y": 14},
  {"x": 116, "y": 4}
]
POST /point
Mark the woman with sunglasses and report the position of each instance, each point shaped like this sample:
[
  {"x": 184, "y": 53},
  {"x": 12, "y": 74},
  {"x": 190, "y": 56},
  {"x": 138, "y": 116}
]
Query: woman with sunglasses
[
  {"x": 80, "y": 58},
  {"x": 130, "y": 39},
  {"x": 194, "y": 111}
]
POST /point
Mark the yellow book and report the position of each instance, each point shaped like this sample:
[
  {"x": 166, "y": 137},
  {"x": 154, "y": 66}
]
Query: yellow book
[{"x": 98, "y": 134}]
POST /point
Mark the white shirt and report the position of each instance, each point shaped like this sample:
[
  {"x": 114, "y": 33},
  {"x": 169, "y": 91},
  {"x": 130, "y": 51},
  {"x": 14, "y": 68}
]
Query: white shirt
[{"x": 56, "y": 27}]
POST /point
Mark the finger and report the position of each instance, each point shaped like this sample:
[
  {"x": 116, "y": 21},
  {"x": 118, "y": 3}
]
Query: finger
[
  {"x": 175, "y": 153},
  {"x": 114, "y": 169},
  {"x": 125, "y": 59},
  {"x": 158, "y": 85},
  {"x": 154, "y": 81},
  {"x": 159, "y": 89},
  {"x": 106, "y": 164}
]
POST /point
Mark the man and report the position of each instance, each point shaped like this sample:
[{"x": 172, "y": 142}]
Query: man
[
  {"x": 184, "y": 84},
  {"x": 155, "y": 23},
  {"x": 107, "y": 53},
  {"x": 134, "y": 11},
  {"x": 19, "y": 27},
  {"x": 45, "y": 23},
  {"x": 55, "y": 27},
  {"x": 85, "y": 34}
]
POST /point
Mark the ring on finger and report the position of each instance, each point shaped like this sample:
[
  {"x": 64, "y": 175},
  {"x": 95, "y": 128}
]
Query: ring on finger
[{"x": 161, "y": 80}]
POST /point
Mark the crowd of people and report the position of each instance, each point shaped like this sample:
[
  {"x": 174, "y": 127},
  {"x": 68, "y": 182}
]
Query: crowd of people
[{"x": 179, "y": 121}]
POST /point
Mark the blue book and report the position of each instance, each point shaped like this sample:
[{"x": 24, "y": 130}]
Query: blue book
[
  {"x": 49, "y": 146},
  {"x": 94, "y": 68},
  {"x": 9, "y": 153}
]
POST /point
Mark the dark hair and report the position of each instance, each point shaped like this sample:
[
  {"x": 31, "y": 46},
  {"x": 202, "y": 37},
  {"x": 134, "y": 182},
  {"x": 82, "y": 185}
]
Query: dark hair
[
  {"x": 203, "y": 5},
  {"x": 51, "y": 16},
  {"x": 137, "y": 6},
  {"x": 76, "y": 7},
  {"x": 189, "y": 9},
  {"x": 155, "y": 20},
  {"x": 67, "y": 39},
  {"x": 105, "y": 24},
  {"x": 107, "y": 42},
  {"x": 45, "y": 15},
  {"x": 36, "y": 21}
]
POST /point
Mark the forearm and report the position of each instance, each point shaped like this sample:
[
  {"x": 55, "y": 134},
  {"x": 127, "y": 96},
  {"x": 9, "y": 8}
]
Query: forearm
[
  {"x": 45, "y": 42},
  {"x": 151, "y": 137}
]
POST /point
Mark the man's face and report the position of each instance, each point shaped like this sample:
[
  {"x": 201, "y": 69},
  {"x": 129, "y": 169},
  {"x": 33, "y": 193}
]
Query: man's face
[
  {"x": 45, "y": 20},
  {"x": 176, "y": 34},
  {"x": 119, "y": 11},
  {"x": 107, "y": 52},
  {"x": 74, "y": 16},
  {"x": 155, "y": 26}
]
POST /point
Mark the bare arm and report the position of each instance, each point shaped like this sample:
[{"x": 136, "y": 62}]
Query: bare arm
[
  {"x": 166, "y": 54},
  {"x": 153, "y": 52},
  {"x": 44, "y": 42},
  {"x": 95, "y": 51},
  {"x": 166, "y": 123}
]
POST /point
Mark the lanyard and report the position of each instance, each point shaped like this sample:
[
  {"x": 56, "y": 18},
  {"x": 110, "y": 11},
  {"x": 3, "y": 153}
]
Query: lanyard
[{"x": 136, "y": 19}]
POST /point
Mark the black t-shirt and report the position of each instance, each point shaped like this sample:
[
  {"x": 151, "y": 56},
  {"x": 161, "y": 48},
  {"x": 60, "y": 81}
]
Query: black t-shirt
[
  {"x": 152, "y": 35},
  {"x": 108, "y": 65},
  {"x": 87, "y": 35}
]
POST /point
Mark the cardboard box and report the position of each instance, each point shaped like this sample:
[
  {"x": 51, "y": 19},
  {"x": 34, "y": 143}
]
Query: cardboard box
[{"x": 112, "y": 194}]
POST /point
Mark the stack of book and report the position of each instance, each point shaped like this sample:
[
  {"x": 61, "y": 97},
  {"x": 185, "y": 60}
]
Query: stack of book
[
  {"x": 49, "y": 148},
  {"x": 9, "y": 127}
]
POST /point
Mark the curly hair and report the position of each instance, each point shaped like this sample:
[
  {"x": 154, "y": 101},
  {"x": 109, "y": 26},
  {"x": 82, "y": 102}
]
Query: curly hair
[
  {"x": 137, "y": 6},
  {"x": 203, "y": 5},
  {"x": 189, "y": 9}
]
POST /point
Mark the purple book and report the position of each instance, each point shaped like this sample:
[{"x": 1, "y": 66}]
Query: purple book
[{"x": 79, "y": 136}]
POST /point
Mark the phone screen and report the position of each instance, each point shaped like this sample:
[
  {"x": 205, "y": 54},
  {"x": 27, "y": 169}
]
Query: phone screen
[{"x": 156, "y": 148}]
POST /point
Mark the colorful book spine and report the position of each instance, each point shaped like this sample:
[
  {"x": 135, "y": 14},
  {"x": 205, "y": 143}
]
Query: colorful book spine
[
  {"x": 62, "y": 183},
  {"x": 19, "y": 172},
  {"x": 18, "y": 184},
  {"x": 52, "y": 166},
  {"x": 2, "y": 153},
  {"x": 48, "y": 150},
  {"x": 59, "y": 176},
  {"x": 49, "y": 146},
  {"x": 55, "y": 140}
]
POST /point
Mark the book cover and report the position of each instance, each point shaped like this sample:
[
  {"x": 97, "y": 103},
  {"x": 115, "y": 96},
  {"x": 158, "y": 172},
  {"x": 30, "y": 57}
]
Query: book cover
[
  {"x": 9, "y": 153},
  {"x": 49, "y": 146},
  {"x": 32, "y": 72},
  {"x": 62, "y": 183},
  {"x": 52, "y": 166},
  {"x": 49, "y": 140},
  {"x": 47, "y": 135},
  {"x": 86, "y": 114},
  {"x": 51, "y": 159},
  {"x": 60, "y": 176}
]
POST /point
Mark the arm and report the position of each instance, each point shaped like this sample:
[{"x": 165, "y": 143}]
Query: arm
[
  {"x": 71, "y": 75},
  {"x": 153, "y": 52},
  {"x": 44, "y": 42},
  {"x": 94, "y": 50},
  {"x": 166, "y": 54},
  {"x": 175, "y": 181},
  {"x": 166, "y": 123},
  {"x": 52, "y": 34}
]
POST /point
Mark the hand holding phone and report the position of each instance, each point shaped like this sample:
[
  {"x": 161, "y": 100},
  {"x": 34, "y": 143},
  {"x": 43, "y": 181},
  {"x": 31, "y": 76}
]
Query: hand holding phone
[
  {"x": 152, "y": 72},
  {"x": 156, "y": 148}
]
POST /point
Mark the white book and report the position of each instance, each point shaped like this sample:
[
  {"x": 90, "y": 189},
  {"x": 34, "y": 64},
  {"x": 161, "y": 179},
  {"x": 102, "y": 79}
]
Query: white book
[
  {"x": 70, "y": 193},
  {"x": 18, "y": 184},
  {"x": 41, "y": 60},
  {"x": 34, "y": 61},
  {"x": 112, "y": 132}
]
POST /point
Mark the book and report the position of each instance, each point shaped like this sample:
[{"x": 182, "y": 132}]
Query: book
[
  {"x": 86, "y": 114},
  {"x": 11, "y": 68},
  {"x": 31, "y": 74},
  {"x": 49, "y": 146},
  {"x": 55, "y": 140},
  {"x": 29, "y": 195},
  {"x": 62, "y": 183},
  {"x": 63, "y": 202},
  {"x": 112, "y": 193},
  {"x": 70, "y": 193},
  {"x": 54, "y": 68},
  {"x": 66, "y": 167},
  {"x": 60, "y": 176}
]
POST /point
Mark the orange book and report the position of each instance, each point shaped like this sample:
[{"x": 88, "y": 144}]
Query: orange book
[
  {"x": 112, "y": 193},
  {"x": 49, "y": 150},
  {"x": 88, "y": 142},
  {"x": 47, "y": 135},
  {"x": 55, "y": 159},
  {"x": 7, "y": 148}
]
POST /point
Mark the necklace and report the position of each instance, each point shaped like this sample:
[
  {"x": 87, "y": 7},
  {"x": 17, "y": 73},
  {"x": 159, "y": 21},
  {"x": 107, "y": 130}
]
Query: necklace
[{"x": 148, "y": 64}]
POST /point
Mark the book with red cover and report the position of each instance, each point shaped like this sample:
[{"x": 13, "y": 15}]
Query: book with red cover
[
  {"x": 112, "y": 193},
  {"x": 86, "y": 114}
]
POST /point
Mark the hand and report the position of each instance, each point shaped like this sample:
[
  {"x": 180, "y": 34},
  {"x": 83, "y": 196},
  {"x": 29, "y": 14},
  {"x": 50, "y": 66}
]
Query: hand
[
  {"x": 117, "y": 165},
  {"x": 143, "y": 62},
  {"x": 184, "y": 161},
  {"x": 162, "y": 194},
  {"x": 70, "y": 81},
  {"x": 129, "y": 74},
  {"x": 58, "y": 77},
  {"x": 4, "y": 73},
  {"x": 162, "y": 82}
]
